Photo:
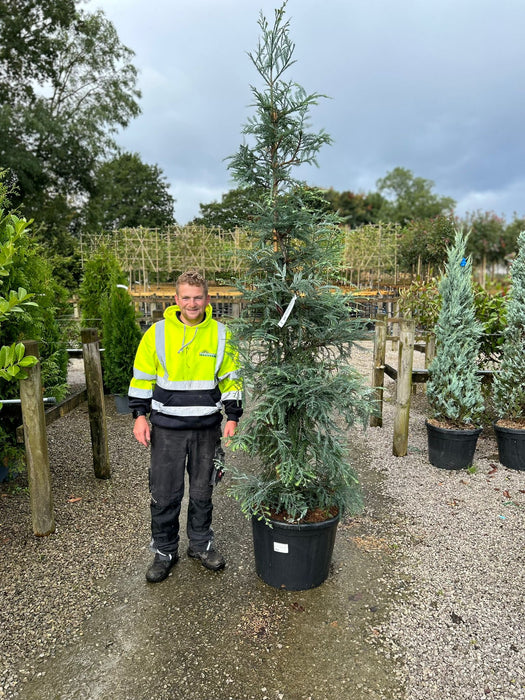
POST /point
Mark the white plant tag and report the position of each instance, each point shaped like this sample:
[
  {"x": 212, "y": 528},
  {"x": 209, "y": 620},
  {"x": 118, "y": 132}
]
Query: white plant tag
[
  {"x": 280, "y": 547},
  {"x": 287, "y": 312}
]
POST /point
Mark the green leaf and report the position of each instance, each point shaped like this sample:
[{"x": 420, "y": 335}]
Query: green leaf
[
  {"x": 10, "y": 356},
  {"x": 19, "y": 351},
  {"x": 28, "y": 361}
]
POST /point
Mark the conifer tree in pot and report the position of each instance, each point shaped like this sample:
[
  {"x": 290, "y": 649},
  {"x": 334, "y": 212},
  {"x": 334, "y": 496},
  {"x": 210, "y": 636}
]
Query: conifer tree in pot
[
  {"x": 454, "y": 393},
  {"x": 509, "y": 379},
  {"x": 295, "y": 337}
]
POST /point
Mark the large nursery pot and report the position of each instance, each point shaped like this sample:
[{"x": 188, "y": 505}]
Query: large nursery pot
[
  {"x": 449, "y": 448},
  {"x": 293, "y": 556},
  {"x": 511, "y": 446}
]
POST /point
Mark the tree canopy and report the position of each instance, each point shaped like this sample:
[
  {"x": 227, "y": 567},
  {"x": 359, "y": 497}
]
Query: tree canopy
[
  {"x": 236, "y": 208},
  {"x": 67, "y": 85},
  {"x": 409, "y": 197},
  {"x": 355, "y": 208},
  {"x": 128, "y": 193}
]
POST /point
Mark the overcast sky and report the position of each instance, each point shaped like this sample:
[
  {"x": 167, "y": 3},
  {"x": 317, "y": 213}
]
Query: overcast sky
[{"x": 436, "y": 86}]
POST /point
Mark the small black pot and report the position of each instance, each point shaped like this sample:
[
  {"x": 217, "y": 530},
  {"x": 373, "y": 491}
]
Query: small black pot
[
  {"x": 122, "y": 403},
  {"x": 511, "y": 446},
  {"x": 293, "y": 556},
  {"x": 451, "y": 449}
]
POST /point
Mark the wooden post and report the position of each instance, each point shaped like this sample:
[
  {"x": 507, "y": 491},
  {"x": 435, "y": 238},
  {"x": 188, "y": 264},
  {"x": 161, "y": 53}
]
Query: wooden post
[
  {"x": 430, "y": 352},
  {"x": 35, "y": 438},
  {"x": 403, "y": 388},
  {"x": 430, "y": 349},
  {"x": 378, "y": 372},
  {"x": 96, "y": 405}
]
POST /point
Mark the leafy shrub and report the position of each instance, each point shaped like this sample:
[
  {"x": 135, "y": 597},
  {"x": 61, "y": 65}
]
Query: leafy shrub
[
  {"x": 26, "y": 277},
  {"x": 101, "y": 272},
  {"x": 422, "y": 302}
]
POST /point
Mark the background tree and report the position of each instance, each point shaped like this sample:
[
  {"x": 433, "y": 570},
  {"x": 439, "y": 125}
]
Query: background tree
[
  {"x": 129, "y": 193},
  {"x": 67, "y": 84},
  {"x": 237, "y": 209},
  {"x": 486, "y": 244},
  {"x": 355, "y": 209},
  {"x": 28, "y": 47},
  {"x": 408, "y": 197},
  {"x": 423, "y": 244},
  {"x": 511, "y": 234}
]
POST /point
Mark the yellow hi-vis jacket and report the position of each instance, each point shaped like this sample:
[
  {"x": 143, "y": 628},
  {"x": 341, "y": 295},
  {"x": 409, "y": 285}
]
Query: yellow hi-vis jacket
[{"x": 184, "y": 376}]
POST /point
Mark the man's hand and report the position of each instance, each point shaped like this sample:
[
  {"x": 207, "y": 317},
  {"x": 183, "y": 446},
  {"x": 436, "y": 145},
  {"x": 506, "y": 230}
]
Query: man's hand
[
  {"x": 229, "y": 430},
  {"x": 141, "y": 431}
]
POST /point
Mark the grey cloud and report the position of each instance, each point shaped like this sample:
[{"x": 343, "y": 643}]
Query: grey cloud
[{"x": 432, "y": 86}]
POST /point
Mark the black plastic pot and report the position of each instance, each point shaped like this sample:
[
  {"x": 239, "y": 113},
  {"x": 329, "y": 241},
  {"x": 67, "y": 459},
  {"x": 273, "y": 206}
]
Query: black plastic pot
[
  {"x": 451, "y": 449},
  {"x": 294, "y": 557},
  {"x": 122, "y": 403},
  {"x": 511, "y": 446}
]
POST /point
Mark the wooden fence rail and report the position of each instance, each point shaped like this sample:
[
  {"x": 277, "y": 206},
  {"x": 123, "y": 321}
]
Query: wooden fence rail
[{"x": 405, "y": 375}]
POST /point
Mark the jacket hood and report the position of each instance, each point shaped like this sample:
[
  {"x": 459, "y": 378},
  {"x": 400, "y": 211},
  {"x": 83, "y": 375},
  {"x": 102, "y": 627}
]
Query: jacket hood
[{"x": 170, "y": 314}]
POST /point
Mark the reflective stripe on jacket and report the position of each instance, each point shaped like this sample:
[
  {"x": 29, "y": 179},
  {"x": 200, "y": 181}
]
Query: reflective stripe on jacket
[{"x": 185, "y": 375}]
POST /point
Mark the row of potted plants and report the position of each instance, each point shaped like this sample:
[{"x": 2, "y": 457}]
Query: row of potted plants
[{"x": 455, "y": 398}]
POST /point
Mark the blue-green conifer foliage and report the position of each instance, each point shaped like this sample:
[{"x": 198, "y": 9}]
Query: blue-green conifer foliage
[
  {"x": 296, "y": 333},
  {"x": 509, "y": 379},
  {"x": 454, "y": 389}
]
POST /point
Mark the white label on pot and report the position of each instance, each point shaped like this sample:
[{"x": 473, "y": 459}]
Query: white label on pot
[{"x": 280, "y": 547}]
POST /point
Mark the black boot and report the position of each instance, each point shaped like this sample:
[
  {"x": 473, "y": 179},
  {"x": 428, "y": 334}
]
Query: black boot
[
  {"x": 161, "y": 566},
  {"x": 210, "y": 557}
]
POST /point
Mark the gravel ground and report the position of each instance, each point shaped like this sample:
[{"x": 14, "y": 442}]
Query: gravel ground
[
  {"x": 458, "y": 633},
  {"x": 461, "y": 631}
]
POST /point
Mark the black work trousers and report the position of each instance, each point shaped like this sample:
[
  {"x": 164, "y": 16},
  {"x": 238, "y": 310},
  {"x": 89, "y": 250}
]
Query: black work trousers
[{"x": 172, "y": 452}]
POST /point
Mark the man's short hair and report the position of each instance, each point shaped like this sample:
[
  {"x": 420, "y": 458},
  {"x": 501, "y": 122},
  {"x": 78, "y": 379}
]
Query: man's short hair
[{"x": 194, "y": 278}]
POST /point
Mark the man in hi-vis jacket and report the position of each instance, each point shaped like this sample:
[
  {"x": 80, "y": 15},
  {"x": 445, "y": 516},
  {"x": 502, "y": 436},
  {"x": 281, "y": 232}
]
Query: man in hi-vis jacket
[{"x": 184, "y": 376}]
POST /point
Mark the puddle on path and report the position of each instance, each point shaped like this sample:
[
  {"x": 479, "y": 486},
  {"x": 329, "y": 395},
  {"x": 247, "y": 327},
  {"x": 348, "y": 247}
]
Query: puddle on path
[{"x": 205, "y": 636}]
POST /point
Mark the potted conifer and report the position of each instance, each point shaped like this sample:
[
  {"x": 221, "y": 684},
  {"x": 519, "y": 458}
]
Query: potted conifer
[
  {"x": 295, "y": 337},
  {"x": 454, "y": 393},
  {"x": 509, "y": 379},
  {"x": 121, "y": 337}
]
